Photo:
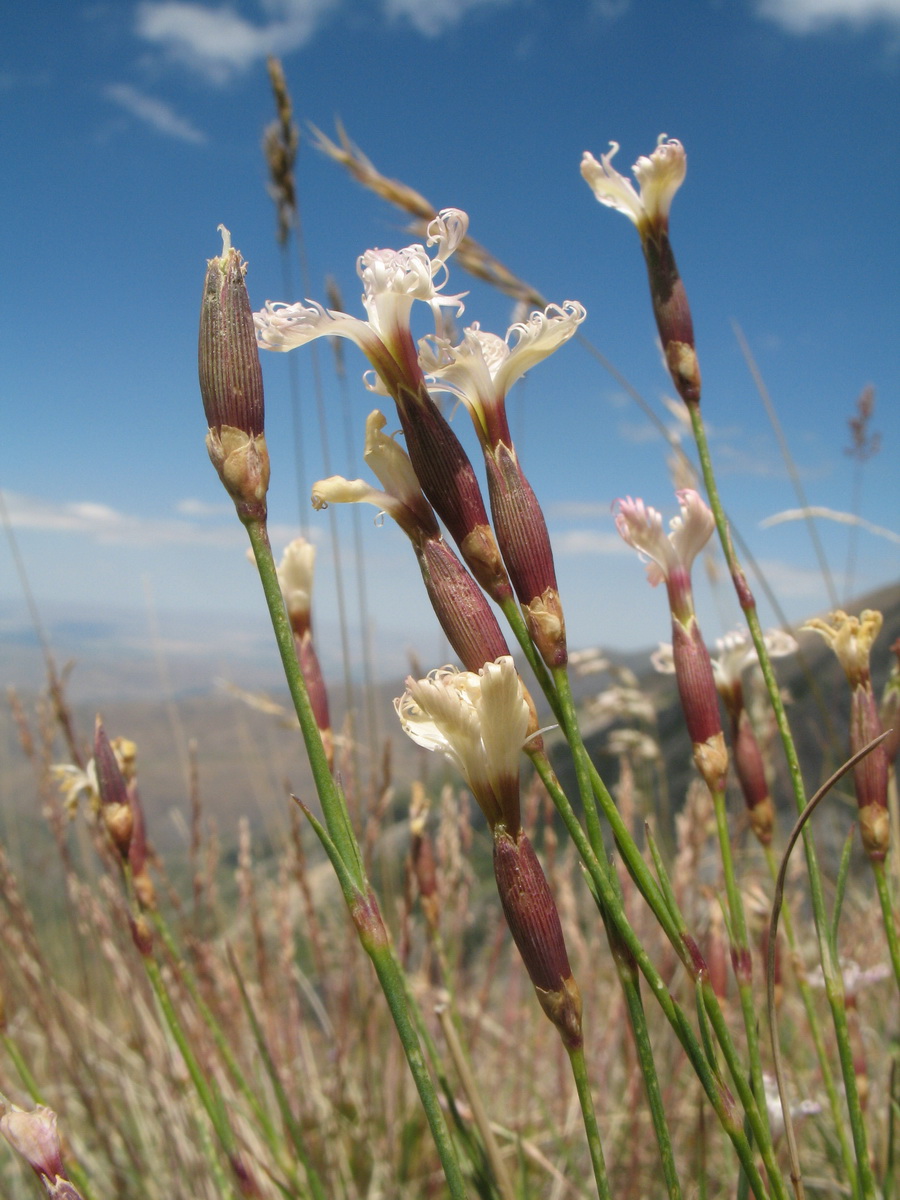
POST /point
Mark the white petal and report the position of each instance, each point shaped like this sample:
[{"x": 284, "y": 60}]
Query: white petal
[
  {"x": 611, "y": 188},
  {"x": 693, "y": 528}
]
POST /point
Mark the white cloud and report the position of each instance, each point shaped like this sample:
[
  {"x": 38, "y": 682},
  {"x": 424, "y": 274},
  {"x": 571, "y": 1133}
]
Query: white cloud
[
  {"x": 102, "y": 524},
  {"x": 790, "y": 582},
  {"x": 810, "y": 16},
  {"x": 190, "y": 507},
  {"x": 220, "y": 42},
  {"x": 432, "y": 17},
  {"x": 155, "y": 113},
  {"x": 590, "y": 542}
]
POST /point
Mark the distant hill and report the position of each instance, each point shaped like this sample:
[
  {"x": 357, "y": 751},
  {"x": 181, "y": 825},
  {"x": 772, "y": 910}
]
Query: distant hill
[{"x": 247, "y": 761}]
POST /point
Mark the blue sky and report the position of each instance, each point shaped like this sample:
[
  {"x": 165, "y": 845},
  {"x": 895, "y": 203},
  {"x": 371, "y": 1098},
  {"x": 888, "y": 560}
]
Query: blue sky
[{"x": 131, "y": 130}]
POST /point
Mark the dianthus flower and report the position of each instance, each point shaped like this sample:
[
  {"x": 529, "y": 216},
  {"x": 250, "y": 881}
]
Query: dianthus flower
[
  {"x": 660, "y": 176},
  {"x": 392, "y": 281},
  {"x": 671, "y": 559}
]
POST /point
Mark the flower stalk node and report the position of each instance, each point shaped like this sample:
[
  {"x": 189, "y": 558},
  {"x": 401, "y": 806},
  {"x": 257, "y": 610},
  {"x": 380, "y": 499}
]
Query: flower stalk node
[
  {"x": 547, "y": 627},
  {"x": 711, "y": 759},
  {"x": 242, "y": 463}
]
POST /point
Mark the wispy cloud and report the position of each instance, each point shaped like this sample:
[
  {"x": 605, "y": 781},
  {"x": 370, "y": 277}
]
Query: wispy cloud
[
  {"x": 100, "y": 523},
  {"x": 590, "y": 542},
  {"x": 811, "y": 16},
  {"x": 155, "y": 113},
  {"x": 790, "y": 582},
  {"x": 830, "y": 514},
  {"x": 190, "y": 507},
  {"x": 219, "y": 42},
  {"x": 107, "y": 526},
  {"x": 432, "y": 17}
]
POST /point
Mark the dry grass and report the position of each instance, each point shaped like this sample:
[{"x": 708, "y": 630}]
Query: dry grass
[{"x": 84, "y": 1031}]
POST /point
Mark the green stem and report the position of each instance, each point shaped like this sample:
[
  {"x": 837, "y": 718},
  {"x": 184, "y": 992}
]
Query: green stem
[
  {"x": 673, "y": 925},
  {"x": 887, "y": 912},
  {"x": 392, "y": 984},
  {"x": 210, "y": 1099},
  {"x": 73, "y": 1168},
  {"x": 585, "y": 1099},
  {"x": 267, "y": 1127},
  {"x": 815, "y": 1029},
  {"x": 631, "y": 987},
  {"x": 343, "y": 848},
  {"x": 334, "y": 808},
  {"x": 290, "y": 1121},
  {"x": 608, "y": 894},
  {"x": 741, "y": 950},
  {"x": 569, "y": 722},
  {"x": 834, "y": 988}
]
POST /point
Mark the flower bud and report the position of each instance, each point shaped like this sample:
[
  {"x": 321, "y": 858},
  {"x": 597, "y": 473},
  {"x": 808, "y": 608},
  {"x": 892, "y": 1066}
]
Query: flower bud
[
  {"x": 448, "y": 480},
  {"x": 699, "y": 702},
  {"x": 231, "y": 384},
  {"x": 525, "y": 545},
  {"x": 114, "y": 799},
  {"x": 461, "y": 607},
  {"x": 533, "y": 920},
  {"x": 33, "y": 1135},
  {"x": 851, "y": 639},
  {"x": 870, "y": 775},
  {"x": 748, "y": 765}
]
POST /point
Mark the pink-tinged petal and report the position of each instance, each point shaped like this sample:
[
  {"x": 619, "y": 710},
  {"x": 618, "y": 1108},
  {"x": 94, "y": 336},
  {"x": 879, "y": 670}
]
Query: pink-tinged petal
[
  {"x": 693, "y": 528},
  {"x": 641, "y": 526}
]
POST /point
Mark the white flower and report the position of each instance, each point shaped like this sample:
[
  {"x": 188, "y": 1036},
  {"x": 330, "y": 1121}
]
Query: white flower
[
  {"x": 479, "y": 722},
  {"x": 851, "y": 639},
  {"x": 392, "y": 280},
  {"x": 642, "y": 527},
  {"x": 401, "y": 497},
  {"x": 663, "y": 659},
  {"x": 590, "y": 661},
  {"x": 659, "y": 176},
  {"x": 76, "y": 784},
  {"x": 854, "y": 976},
  {"x": 736, "y": 652},
  {"x": 295, "y": 576},
  {"x": 804, "y": 1108},
  {"x": 483, "y": 367},
  {"x": 34, "y": 1136}
]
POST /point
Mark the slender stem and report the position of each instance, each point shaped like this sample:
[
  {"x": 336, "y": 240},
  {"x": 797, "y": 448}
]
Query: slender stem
[
  {"x": 569, "y": 722},
  {"x": 669, "y": 918},
  {"x": 333, "y": 806},
  {"x": 476, "y": 1103},
  {"x": 833, "y": 982},
  {"x": 287, "y": 1115},
  {"x": 715, "y": 1089},
  {"x": 346, "y": 857},
  {"x": 815, "y": 1029},
  {"x": 585, "y": 1099},
  {"x": 741, "y": 950},
  {"x": 631, "y": 987},
  {"x": 209, "y": 1098},
  {"x": 887, "y": 913},
  {"x": 223, "y": 1045},
  {"x": 392, "y": 984}
]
